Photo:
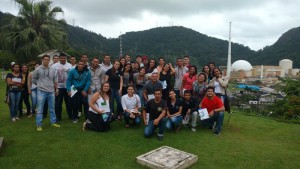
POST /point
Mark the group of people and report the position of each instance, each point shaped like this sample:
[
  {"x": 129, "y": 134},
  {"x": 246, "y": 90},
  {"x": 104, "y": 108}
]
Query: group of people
[{"x": 160, "y": 95}]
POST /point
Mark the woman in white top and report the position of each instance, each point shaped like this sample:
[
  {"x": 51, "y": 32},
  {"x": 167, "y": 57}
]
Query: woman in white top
[
  {"x": 99, "y": 111},
  {"x": 131, "y": 104},
  {"x": 220, "y": 83}
]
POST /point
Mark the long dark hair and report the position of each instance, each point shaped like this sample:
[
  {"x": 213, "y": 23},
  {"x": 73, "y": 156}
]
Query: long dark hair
[
  {"x": 113, "y": 69},
  {"x": 101, "y": 89},
  {"x": 150, "y": 70},
  {"x": 194, "y": 68}
]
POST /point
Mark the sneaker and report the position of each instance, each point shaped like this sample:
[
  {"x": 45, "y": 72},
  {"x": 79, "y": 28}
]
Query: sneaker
[
  {"x": 13, "y": 119},
  {"x": 177, "y": 129},
  {"x": 84, "y": 126},
  {"x": 194, "y": 129},
  {"x": 216, "y": 133},
  {"x": 55, "y": 125},
  {"x": 30, "y": 115},
  {"x": 39, "y": 128},
  {"x": 79, "y": 114},
  {"x": 17, "y": 118},
  {"x": 160, "y": 138},
  {"x": 75, "y": 121},
  {"x": 88, "y": 121}
]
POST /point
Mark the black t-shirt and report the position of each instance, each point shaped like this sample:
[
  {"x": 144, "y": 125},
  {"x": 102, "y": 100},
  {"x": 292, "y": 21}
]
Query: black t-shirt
[
  {"x": 114, "y": 78},
  {"x": 155, "y": 109},
  {"x": 14, "y": 78},
  {"x": 191, "y": 104},
  {"x": 174, "y": 108},
  {"x": 165, "y": 77}
]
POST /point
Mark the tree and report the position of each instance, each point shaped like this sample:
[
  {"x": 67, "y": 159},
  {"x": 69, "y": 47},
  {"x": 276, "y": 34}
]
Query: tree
[
  {"x": 34, "y": 30},
  {"x": 289, "y": 107}
]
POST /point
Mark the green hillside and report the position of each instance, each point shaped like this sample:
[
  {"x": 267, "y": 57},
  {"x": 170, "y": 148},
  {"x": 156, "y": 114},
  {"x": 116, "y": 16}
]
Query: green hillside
[{"x": 177, "y": 41}]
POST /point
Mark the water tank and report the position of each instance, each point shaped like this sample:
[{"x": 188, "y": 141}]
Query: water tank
[{"x": 286, "y": 64}]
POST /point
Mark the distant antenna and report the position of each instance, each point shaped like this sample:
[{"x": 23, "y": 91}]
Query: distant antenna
[
  {"x": 229, "y": 53},
  {"x": 121, "y": 50}
]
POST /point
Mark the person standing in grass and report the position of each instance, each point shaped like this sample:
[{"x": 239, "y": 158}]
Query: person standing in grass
[
  {"x": 45, "y": 78},
  {"x": 32, "y": 91},
  {"x": 115, "y": 79},
  {"x": 80, "y": 79},
  {"x": 174, "y": 109},
  {"x": 62, "y": 69},
  {"x": 157, "y": 111},
  {"x": 99, "y": 112},
  {"x": 15, "y": 81},
  {"x": 24, "y": 92},
  {"x": 215, "y": 109},
  {"x": 131, "y": 104}
]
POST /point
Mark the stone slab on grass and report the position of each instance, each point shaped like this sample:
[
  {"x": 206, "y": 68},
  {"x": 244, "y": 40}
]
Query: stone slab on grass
[
  {"x": 167, "y": 158},
  {"x": 1, "y": 143}
]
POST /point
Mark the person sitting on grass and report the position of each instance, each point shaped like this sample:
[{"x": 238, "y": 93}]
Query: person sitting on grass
[
  {"x": 189, "y": 110},
  {"x": 174, "y": 109},
  {"x": 131, "y": 104},
  {"x": 99, "y": 111},
  {"x": 157, "y": 111},
  {"x": 215, "y": 109}
]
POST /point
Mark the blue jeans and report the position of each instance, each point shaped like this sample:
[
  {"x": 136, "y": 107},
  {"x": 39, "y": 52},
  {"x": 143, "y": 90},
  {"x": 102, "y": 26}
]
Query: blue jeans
[
  {"x": 173, "y": 122},
  {"x": 218, "y": 117},
  {"x": 115, "y": 95},
  {"x": 33, "y": 100},
  {"x": 41, "y": 98},
  {"x": 136, "y": 120},
  {"x": 150, "y": 128},
  {"x": 62, "y": 95},
  {"x": 140, "y": 94},
  {"x": 14, "y": 98}
]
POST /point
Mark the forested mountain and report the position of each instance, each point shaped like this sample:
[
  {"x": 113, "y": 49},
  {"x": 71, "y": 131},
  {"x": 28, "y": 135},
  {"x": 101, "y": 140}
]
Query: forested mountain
[
  {"x": 286, "y": 47},
  {"x": 176, "y": 41},
  {"x": 169, "y": 42}
]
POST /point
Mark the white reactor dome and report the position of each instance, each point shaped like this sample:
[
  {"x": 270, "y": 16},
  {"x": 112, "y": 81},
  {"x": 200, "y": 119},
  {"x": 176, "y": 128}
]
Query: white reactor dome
[{"x": 241, "y": 65}]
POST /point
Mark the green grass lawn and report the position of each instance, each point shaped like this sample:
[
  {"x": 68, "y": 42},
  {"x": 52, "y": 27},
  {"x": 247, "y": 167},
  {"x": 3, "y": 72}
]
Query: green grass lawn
[{"x": 246, "y": 142}]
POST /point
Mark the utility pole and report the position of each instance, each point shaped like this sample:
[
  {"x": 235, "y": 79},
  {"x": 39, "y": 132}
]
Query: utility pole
[{"x": 229, "y": 53}]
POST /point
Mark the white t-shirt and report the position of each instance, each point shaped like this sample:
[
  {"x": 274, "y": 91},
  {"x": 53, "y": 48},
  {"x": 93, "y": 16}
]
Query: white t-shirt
[
  {"x": 62, "y": 71},
  {"x": 217, "y": 87},
  {"x": 130, "y": 102}
]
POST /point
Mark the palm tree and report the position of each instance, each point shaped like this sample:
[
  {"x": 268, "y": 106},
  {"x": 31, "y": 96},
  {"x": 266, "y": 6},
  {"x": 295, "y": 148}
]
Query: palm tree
[{"x": 34, "y": 30}]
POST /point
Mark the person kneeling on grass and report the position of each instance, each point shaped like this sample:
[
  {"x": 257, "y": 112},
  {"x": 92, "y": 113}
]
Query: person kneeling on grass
[
  {"x": 174, "y": 109},
  {"x": 157, "y": 111},
  {"x": 215, "y": 109},
  {"x": 189, "y": 110},
  {"x": 131, "y": 104},
  {"x": 99, "y": 111}
]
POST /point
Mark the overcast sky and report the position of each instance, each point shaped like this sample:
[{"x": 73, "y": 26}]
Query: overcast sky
[{"x": 255, "y": 23}]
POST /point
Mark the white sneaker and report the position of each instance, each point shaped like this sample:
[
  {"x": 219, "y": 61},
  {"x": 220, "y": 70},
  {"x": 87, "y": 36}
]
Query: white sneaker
[
  {"x": 13, "y": 119},
  {"x": 17, "y": 118},
  {"x": 79, "y": 114},
  {"x": 193, "y": 129}
]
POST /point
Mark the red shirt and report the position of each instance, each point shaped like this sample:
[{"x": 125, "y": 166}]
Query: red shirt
[
  {"x": 213, "y": 104},
  {"x": 188, "y": 85}
]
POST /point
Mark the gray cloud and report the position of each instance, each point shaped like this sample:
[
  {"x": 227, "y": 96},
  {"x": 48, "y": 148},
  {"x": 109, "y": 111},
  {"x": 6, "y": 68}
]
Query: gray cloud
[{"x": 256, "y": 23}]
